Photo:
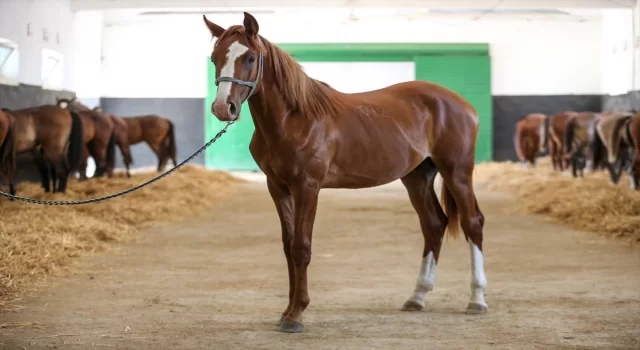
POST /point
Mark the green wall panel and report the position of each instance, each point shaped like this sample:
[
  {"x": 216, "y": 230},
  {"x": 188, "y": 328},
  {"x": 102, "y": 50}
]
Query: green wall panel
[
  {"x": 464, "y": 68},
  {"x": 469, "y": 76}
]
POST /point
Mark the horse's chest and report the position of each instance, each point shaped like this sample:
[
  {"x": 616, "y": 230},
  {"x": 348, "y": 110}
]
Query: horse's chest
[{"x": 275, "y": 162}]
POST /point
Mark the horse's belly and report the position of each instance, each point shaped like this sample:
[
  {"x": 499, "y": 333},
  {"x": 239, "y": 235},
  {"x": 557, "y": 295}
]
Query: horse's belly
[
  {"x": 26, "y": 140},
  {"x": 374, "y": 168}
]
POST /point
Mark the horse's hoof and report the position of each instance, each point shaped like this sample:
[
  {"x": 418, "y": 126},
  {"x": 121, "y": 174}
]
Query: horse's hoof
[
  {"x": 280, "y": 321},
  {"x": 412, "y": 305},
  {"x": 288, "y": 326},
  {"x": 476, "y": 309}
]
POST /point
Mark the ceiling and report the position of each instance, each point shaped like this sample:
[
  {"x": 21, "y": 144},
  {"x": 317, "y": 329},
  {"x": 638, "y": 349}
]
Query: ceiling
[
  {"x": 138, "y": 11},
  {"x": 80, "y": 5}
]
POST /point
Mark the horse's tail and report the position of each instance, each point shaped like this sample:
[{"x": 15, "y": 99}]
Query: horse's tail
[
  {"x": 517, "y": 141},
  {"x": 170, "y": 140},
  {"x": 451, "y": 210},
  {"x": 76, "y": 142},
  {"x": 598, "y": 151},
  {"x": 569, "y": 135},
  {"x": 111, "y": 151}
]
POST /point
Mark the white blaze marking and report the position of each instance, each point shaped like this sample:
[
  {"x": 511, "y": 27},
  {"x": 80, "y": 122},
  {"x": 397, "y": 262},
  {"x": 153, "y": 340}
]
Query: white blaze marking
[
  {"x": 478, "y": 280},
  {"x": 224, "y": 88},
  {"x": 426, "y": 279}
]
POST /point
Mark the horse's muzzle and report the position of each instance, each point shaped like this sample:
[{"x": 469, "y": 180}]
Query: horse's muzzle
[{"x": 225, "y": 111}]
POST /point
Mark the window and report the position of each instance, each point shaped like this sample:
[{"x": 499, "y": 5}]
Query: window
[
  {"x": 9, "y": 62},
  {"x": 52, "y": 70}
]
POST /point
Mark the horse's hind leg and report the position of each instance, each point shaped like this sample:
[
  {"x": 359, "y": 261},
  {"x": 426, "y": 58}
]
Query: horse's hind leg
[
  {"x": 458, "y": 180},
  {"x": 82, "y": 170},
  {"x": 433, "y": 222},
  {"x": 43, "y": 169}
]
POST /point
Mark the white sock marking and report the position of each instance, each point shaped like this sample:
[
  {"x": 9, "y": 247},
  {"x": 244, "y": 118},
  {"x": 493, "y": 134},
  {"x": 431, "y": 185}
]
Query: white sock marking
[
  {"x": 224, "y": 87},
  {"x": 478, "y": 280},
  {"x": 426, "y": 279}
]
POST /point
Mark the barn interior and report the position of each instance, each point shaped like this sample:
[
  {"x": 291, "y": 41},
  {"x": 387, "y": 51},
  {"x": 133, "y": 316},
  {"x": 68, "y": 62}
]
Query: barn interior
[{"x": 195, "y": 260}]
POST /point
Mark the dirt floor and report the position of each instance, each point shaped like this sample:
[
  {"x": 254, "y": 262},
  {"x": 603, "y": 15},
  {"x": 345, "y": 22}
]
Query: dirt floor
[{"x": 219, "y": 282}]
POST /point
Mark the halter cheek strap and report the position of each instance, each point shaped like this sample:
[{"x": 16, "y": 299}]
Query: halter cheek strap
[{"x": 251, "y": 84}]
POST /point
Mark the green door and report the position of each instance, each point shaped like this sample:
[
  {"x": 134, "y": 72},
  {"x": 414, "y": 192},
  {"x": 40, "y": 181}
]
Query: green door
[
  {"x": 231, "y": 151},
  {"x": 469, "y": 76}
]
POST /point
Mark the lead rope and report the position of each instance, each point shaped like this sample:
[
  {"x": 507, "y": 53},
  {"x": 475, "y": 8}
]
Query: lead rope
[{"x": 100, "y": 199}]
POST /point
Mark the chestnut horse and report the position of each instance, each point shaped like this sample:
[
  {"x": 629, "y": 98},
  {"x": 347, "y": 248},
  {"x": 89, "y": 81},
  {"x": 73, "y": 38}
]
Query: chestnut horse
[
  {"x": 48, "y": 132},
  {"x": 155, "y": 131},
  {"x": 557, "y": 129},
  {"x": 99, "y": 141},
  {"x": 633, "y": 137},
  {"x": 612, "y": 144},
  {"x": 577, "y": 140},
  {"x": 7, "y": 151},
  {"x": 309, "y": 136},
  {"x": 531, "y": 137},
  {"x": 121, "y": 134}
]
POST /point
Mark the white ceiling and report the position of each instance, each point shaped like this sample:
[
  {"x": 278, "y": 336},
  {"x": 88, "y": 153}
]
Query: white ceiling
[
  {"x": 138, "y": 11},
  {"x": 80, "y": 5}
]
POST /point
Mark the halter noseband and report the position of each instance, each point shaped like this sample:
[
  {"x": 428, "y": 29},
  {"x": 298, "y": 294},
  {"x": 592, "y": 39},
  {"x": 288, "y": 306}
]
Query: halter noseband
[{"x": 251, "y": 84}]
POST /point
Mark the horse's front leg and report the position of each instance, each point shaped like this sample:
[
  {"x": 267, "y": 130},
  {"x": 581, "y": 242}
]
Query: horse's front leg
[
  {"x": 305, "y": 198},
  {"x": 283, "y": 200}
]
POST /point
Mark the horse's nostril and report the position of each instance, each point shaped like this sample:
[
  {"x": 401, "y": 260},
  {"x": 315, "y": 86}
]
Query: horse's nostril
[{"x": 233, "y": 109}]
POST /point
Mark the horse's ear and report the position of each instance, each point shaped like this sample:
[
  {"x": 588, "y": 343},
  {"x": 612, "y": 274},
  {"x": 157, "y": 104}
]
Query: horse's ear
[
  {"x": 215, "y": 29},
  {"x": 250, "y": 25}
]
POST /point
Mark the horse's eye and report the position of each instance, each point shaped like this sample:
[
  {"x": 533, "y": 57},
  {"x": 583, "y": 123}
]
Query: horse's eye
[{"x": 251, "y": 59}]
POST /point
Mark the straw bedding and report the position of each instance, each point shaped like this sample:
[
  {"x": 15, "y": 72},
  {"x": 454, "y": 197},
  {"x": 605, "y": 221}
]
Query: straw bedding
[
  {"x": 37, "y": 240},
  {"x": 592, "y": 203}
]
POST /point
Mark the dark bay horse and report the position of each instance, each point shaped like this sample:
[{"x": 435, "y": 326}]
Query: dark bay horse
[
  {"x": 99, "y": 141},
  {"x": 612, "y": 145},
  {"x": 309, "y": 136},
  {"x": 530, "y": 139},
  {"x": 557, "y": 129},
  {"x": 54, "y": 136},
  {"x": 155, "y": 131},
  {"x": 121, "y": 134},
  {"x": 577, "y": 140},
  {"x": 8, "y": 150}
]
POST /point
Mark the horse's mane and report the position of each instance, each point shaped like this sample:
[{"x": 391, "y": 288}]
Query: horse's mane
[{"x": 301, "y": 93}]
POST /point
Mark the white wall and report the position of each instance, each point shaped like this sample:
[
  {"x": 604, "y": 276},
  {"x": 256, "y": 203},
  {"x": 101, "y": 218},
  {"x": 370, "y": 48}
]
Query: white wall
[
  {"x": 528, "y": 58},
  {"x": 617, "y": 51},
  {"x": 56, "y": 17},
  {"x": 88, "y": 56}
]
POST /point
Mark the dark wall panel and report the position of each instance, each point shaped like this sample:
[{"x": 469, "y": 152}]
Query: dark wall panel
[
  {"x": 507, "y": 110},
  {"x": 619, "y": 103},
  {"x": 186, "y": 114},
  {"x": 25, "y": 96}
]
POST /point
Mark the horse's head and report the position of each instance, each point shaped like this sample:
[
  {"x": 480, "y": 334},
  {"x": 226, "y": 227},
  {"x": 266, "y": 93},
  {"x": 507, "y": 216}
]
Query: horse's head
[{"x": 238, "y": 59}]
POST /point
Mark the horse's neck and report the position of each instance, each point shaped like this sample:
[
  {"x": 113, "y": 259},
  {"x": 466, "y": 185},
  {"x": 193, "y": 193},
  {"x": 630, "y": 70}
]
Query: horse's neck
[{"x": 268, "y": 114}]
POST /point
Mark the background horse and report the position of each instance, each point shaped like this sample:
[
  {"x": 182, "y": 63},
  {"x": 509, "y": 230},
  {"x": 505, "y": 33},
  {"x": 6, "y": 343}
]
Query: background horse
[
  {"x": 7, "y": 150},
  {"x": 557, "y": 129},
  {"x": 99, "y": 141},
  {"x": 577, "y": 138},
  {"x": 633, "y": 136},
  {"x": 121, "y": 134},
  {"x": 155, "y": 131},
  {"x": 530, "y": 137},
  {"x": 47, "y": 132},
  {"x": 309, "y": 136},
  {"x": 612, "y": 144}
]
